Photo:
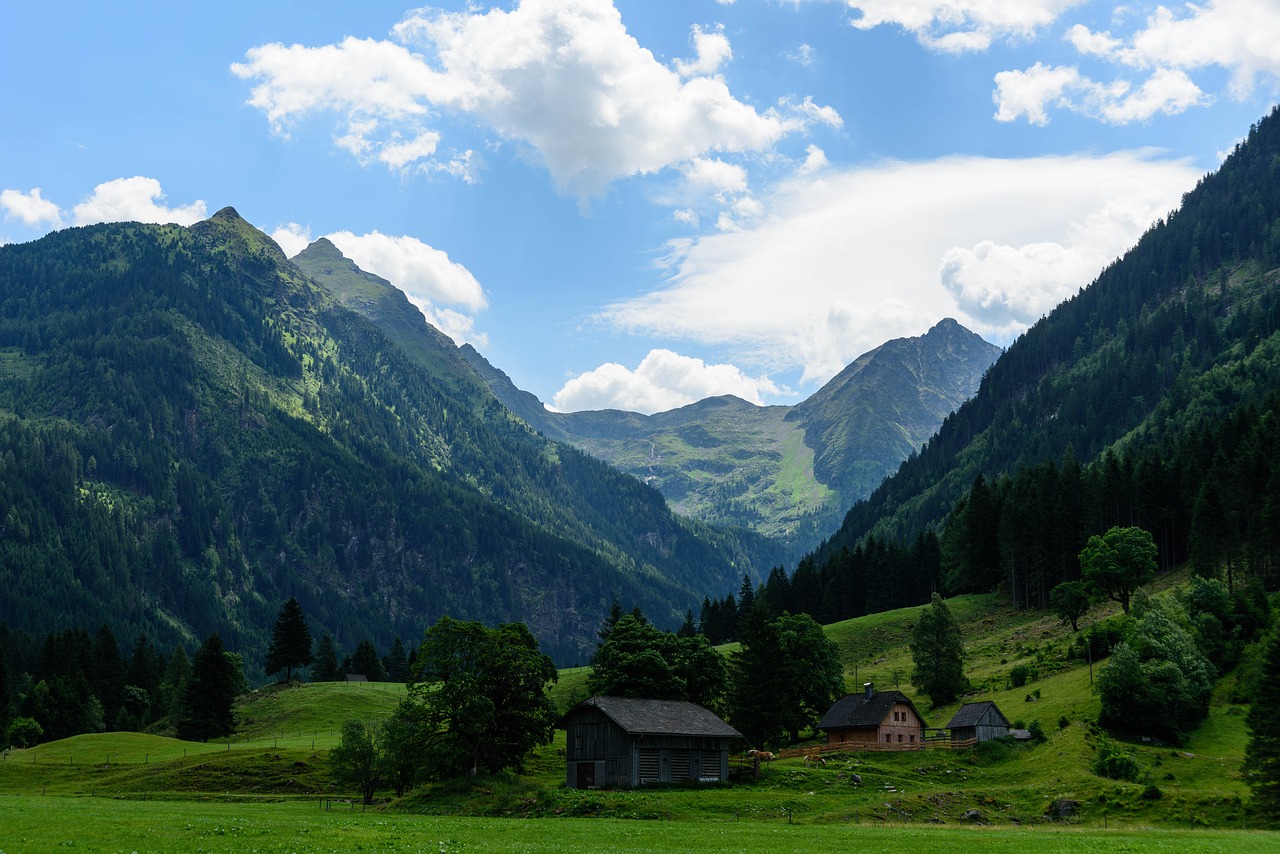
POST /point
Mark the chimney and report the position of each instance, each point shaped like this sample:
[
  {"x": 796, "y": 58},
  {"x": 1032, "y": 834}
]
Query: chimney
[{"x": 869, "y": 689}]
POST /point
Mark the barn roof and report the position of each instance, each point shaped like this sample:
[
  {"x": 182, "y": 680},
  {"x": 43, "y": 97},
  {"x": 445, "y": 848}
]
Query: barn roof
[
  {"x": 653, "y": 717},
  {"x": 864, "y": 709},
  {"x": 971, "y": 714}
]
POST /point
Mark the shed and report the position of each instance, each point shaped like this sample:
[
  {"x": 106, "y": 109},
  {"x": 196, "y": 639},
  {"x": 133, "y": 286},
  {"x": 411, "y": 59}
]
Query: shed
[
  {"x": 976, "y": 722},
  {"x": 625, "y": 741},
  {"x": 874, "y": 720},
  {"x": 354, "y": 677}
]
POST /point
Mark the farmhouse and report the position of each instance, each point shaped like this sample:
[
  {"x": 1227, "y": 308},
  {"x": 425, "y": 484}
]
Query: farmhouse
[
  {"x": 623, "y": 741},
  {"x": 874, "y": 720},
  {"x": 977, "y": 722}
]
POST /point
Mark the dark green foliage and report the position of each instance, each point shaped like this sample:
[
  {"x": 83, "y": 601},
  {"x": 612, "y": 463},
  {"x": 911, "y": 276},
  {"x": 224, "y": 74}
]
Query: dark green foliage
[
  {"x": 1021, "y": 674},
  {"x": 206, "y": 708},
  {"x": 1118, "y": 563},
  {"x": 1036, "y": 731},
  {"x": 403, "y": 746},
  {"x": 1262, "y": 754},
  {"x": 1175, "y": 349},
  {"x": 1070, "y": 600},
  {"x": 326, "y": 661},
  {"x": 483, "y": 693},
  {"x": 785, "y": 676},
  {"x": 1157, "y": 683},
  {"x": 290, "y": 641},
  {"x": 354, "y": 761},
  {"x": 193, "y": 429},
  {"x": 396, "y": 663},
  {"x": 365, "y": 662},
  {"x": 24, "y": 732},
  {"x": 1113, "y": 762},
  {"x": 637, "y": 659},
  {"x": 937, "y": 652}
]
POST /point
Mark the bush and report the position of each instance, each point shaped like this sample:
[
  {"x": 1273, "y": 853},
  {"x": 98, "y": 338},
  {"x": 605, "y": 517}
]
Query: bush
[
  {"x": 1037, "y": 732},
  {"x": 1152, "y": 793},
  {"x": 1114, "y": 763},
  {"x": 1064, "y": 722},
  {"x": 1021, "y": 674},
  {"x": 24, "y": 732}
]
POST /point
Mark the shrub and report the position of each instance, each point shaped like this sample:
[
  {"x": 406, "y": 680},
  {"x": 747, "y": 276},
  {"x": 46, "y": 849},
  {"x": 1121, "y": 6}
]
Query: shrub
[
  {"x": 1064, "y": 722},
  {"x": 1114, "y": 763},
  {"x": 25, "y": 732},
  {"x": 1021, "y": 674},
  {"x": 1037, "y": 732},
  {"x": 1152, "y": 793}
]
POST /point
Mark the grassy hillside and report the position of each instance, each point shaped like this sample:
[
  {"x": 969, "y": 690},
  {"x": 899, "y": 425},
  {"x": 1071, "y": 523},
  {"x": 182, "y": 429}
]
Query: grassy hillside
[{"x": 285, "y": 732}]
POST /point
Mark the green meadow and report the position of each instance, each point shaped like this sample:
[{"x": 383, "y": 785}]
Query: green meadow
[{"x": 268, "y": 789}]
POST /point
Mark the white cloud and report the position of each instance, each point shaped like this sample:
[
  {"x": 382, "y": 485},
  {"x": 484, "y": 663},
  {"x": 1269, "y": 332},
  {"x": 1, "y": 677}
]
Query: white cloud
[
  {"x": 663, "y": 380},
  {"x": 713, "y": 50},
  {"x": 1029, "y": 93},
  {"x": 686, "y": 216},
  {"x": 1242, "y": 37},
  {"x": 715, "y": 176},
  {"x": 424, "y": 273},
  {"x": 802, "y": 55},
  {"x": 563, "y": 76},
  {"x": 292, "y": 238},
  {"x": 31, "y": 209},
  {"x": 134, "y": 199},
  {"x": 814, "y": 161},
  {"x": 961, "y": 25},
  {"x": 844, "y": 260}
]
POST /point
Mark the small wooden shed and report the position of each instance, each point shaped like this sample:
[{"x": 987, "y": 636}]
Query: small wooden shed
[
  {"x": 976, "y": 722},
  {"x": 874, "y": 720},
  {"x": 624, "y": 741}
]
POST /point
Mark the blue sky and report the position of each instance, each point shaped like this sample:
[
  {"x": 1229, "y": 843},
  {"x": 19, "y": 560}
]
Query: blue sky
[{"x": 641, "y": 203}]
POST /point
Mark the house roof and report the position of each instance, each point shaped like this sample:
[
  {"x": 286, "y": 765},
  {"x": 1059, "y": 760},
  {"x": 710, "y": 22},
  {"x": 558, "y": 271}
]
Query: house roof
[
  {"x": 861, "y": 710},
  {"x": 653, "y": 717},
  {"x": 971, "y": 714}
]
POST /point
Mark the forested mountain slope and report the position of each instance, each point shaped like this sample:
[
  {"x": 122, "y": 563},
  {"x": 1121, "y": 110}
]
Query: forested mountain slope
[
  {"x": 1147, "y": 399},
  {"x": 192, "y": 430},
  {"x": 787, "y": 472}
]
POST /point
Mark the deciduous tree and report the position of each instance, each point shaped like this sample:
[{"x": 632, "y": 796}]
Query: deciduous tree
[
  {"x": 1070, "y": 600},
  {"x": 1119, "y": 562},
  {"x": 354, "y": 761},
  {"x": 937, "y": 650}
]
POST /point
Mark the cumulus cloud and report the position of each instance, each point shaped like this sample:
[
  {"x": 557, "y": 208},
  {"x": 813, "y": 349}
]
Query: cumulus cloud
[
  {"x": 845, "y": 259},
  {"x": 563, "y": 77},
  {"x": 663, "y": 380},
  {"x": 444, "y": 291},
  {"x": 715, "y": 175},
  {"x": 1241, "y": 38},
  {"x": 1031, "y": 92},
  {"x": 134, "y": 199},
  {"x": 31, "y": 209},
  {"x": 956, "y": 26}
]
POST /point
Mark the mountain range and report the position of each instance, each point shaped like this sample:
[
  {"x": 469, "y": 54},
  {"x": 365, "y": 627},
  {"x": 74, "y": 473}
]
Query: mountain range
[{"x": 788, "y": 472}]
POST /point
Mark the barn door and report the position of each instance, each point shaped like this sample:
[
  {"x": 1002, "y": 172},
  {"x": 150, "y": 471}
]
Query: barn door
[{"x": 586, "y": 775}]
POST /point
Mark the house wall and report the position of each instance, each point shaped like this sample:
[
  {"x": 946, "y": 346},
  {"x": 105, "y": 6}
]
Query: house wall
[
  {"x": 901, "y": 729},
  {"x": 620, "y": 759}
]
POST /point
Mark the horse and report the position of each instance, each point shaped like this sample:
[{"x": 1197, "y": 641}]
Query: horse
[{"x": 814, "y": 759}]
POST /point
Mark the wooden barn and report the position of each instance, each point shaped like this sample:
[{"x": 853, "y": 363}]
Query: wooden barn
[
  {"x": 622, "y": 741},
  {"x": 874, "y": 720},
  {"x": 977, "y": 722}
]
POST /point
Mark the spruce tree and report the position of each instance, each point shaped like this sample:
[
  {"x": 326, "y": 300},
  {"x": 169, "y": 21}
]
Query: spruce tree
[
  {"x": 937, "y": 649},
  {"x": 1262, "y": 753},
  {"x": 209, "y": 694},
  {"x": 326, "y": 661},
  {"x": 290, "y": 641}
]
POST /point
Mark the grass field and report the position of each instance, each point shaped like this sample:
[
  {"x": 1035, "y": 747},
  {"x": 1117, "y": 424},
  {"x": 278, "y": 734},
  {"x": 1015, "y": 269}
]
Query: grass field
[
  {"x": 34, "y": 824},
  {"x": 264, "y": 789}
]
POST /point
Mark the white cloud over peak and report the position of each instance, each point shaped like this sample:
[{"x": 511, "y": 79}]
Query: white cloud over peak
[
  {"x": 562, "y": 76},
  {"x": 134, "y": 199},
  {"x": 663, "y": 380},
  {"x": 30, "y": 209},
  {"x": 444, "y": 291},
  {"x": 846, "y": 259},
  {"x": 957, "y": 26}
]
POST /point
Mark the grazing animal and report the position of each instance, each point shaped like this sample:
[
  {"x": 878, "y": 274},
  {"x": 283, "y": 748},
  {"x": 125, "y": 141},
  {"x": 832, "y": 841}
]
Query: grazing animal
[
  {"x": 762, "y": 755},
  {"x": 814, "y": 759}
]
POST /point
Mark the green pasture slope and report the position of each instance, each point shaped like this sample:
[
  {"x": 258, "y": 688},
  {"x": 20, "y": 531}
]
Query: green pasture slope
[{"x": 265, "y": 789}]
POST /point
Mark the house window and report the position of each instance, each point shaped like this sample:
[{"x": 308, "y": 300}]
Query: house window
[
  {"x": 899, "y": 738},
  {"x": 888, "y": 737},
  {"x": 913, "y": 738},
  {"x": 577, "y": 744}
]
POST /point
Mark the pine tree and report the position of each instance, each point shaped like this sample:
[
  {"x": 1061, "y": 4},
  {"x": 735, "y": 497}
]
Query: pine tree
[
  {"x": 937, "y": 649},
  {"x": 397, "y": 662},
  {"x": 1262, "y": 753},
  {"x": 210, "y": 692},
  {"x": 290, "y": 641},
  {"x": 365, "y": 661},
  {"x": 326, "y": 661}
]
